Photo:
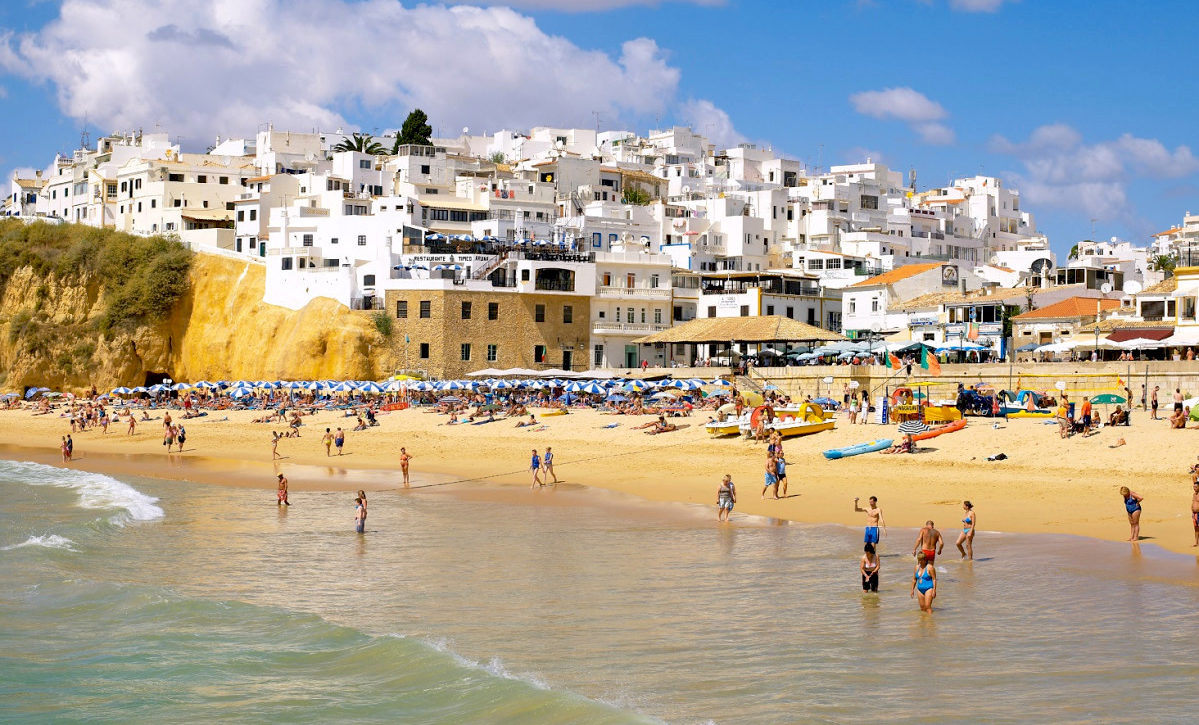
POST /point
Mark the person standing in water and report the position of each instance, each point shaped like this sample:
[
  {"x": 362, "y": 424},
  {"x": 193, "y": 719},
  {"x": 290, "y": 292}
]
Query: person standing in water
[
  {"x": 1195, "y": 511},
  {"x": 359, "y": 516},
  {"x": 929, "y": 541},
  {"x": 726, "y": 498},
  {"x": 362, "y": 498},
  {"x": 967, "y": 535},
  {"x": 1132, "y": 504},
  {"x": 70, "y": 448},
  {"x": 404, "y": 458},
  {"x": 66, "y": 455},
  {"x": 874, "y": 519},
  {"x": 535, "y": 467},
  {"x": 924, "y": 581},
  {"x": 869, "y": 566},
  {"x": 283, "y": 491}
]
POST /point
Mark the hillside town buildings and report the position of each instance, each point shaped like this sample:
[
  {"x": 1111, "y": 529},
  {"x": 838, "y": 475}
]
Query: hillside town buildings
[{"x": 563, "y": 248}]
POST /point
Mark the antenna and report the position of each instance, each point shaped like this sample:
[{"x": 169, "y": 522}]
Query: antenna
[{"x": 85, "y": 139}]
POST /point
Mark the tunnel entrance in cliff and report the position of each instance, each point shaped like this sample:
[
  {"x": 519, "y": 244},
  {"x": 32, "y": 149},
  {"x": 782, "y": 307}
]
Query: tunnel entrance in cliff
[{"x": 156, "y": 378}]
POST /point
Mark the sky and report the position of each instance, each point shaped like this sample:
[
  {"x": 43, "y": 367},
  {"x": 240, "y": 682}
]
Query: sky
[{"x": 1085, "y": 106}]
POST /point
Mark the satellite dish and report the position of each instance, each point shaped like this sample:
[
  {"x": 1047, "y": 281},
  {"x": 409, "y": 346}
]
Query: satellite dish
[
  {"x": 828, "y": 378},
  {"x": 1059, "y": 385},
  {"x": 1132, "y": 287},
  {"x": 875, "y": 327},
  {"x": 465, "y": 130},
  {"x": 686, "y": 188},
  {"x": 1106, "y": 288},
  {"x": 994, "y": 259}
]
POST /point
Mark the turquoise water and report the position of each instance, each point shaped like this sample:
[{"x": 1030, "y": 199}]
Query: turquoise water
[{"x": 126, "y": 601}]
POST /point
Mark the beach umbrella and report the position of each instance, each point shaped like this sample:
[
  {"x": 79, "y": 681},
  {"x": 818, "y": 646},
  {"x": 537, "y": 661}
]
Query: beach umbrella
[
  {"x": 574, "y": 387},
  {"x": 1113, "y": 399},
  {"x": 913, "y": 427},
  {"x": 121, "y": 391},
  {"x": 205, "y": 385},
  {"x": 451, "y": 399},
  {"x": 422, "y": 386},
  {"x": 138, "y": 389},
  {"x": 592, "y": 388},
  {"x": 716, "y": 393},
  {"x": 52, "y": 395},
  {"x": 9, "y": 396},
  {"x": 370, "y": 387},
  {"x": 156, "y": 389},
  {"x": 825, "y": 402},
  {"x": 239, "y": 393},
  {"x": 393, "y": 386},
  {"x": 502, "y": 385},
  {"x": 721, "y": 382},
  {"x": 679, "y": 385},
  {"x": 616, "y": 398},
  {"x": 454, "y": 385},
  {"x": 636, "y": 385},
  {"x": 181, "y": 386}
]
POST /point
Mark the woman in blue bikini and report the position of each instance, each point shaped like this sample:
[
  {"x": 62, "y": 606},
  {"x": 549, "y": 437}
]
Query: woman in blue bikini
[
  {"x": 924, "y": 581},
  {"x": 967, "y": 535},
  {"x": 1132, "y": 504}
]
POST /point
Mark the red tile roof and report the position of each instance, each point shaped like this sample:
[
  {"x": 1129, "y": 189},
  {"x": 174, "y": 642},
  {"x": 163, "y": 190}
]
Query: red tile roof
[
  {"x": 1068, "y": 308},
  {"x": 897, "y": 274}
]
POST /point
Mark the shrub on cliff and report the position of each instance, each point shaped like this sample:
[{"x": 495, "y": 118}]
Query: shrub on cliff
[{"x": 141, "y": 277}]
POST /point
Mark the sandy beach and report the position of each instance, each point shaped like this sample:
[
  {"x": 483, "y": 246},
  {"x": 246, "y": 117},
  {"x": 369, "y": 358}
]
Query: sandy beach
[{"x": 1046, "y": 485}]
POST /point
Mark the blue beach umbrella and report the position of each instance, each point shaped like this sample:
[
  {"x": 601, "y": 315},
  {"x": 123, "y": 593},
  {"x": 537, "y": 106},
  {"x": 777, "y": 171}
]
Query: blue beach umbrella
[
  {"x": 592, "y": 388},
  {"x": 139, "y": 389},
  {"x": 372, "y": 388},
  {"x": 121, "y": 391},
  {"x": 502, "y": 385},
  {"x": 636, "y": 385},
  {"x": 342, "y": 387},
  {"x": 239, "y": 393},
  {"x": 156, "y": 389},
  {"x": 181, "y": 386},
  {"x": 205, "y": 385}
]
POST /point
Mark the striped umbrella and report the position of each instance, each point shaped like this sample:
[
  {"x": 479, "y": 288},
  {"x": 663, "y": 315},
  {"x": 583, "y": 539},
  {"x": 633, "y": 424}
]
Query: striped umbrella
[
  {"x": 139, "y": 389},
  {"x": 678, "y": 385},
  {"x": 913, "y": 427},
  {"x": 721, "y": 383},
  {"x": 421, "y": 386},
  {"x": 205, "y": 385},
  {"x": 121, "y": 391},
  {"x": 636, "y": 386},
  {"x": 574, "y": 387},
  {"x": 393, "y": 386},
  {"x": 342, "y": 387},
  {"x": 592, "y": 388},
  {"x": 181, "y": 386},
  {"x": 160, "y": 388},
  {"x": 454, "y": 385},
  {"x": 502, "y": 385},
  {"x": 370, "y": 387}
]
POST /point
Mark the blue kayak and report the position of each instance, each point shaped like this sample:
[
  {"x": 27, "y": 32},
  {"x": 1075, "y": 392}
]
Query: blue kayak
[{"x": 860, "y": 448}]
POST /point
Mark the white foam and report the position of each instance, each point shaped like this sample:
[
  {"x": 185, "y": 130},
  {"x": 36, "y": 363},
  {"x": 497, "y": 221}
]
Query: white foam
[
  {"x": 96, "y": 490},
  {"x": 494, "y": 667},
  {"x": 50, "y": 541}
]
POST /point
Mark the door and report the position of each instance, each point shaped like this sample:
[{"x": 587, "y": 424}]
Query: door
[
  {"x": 566, "y": 360},
  {"x": 630, "y": 356}
]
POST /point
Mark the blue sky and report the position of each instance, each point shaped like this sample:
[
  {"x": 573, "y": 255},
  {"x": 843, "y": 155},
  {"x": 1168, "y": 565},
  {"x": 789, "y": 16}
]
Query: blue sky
[{"x": 1085, "y": 106}]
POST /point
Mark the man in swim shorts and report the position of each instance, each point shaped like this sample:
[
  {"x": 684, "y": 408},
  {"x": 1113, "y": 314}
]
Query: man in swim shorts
[
  {"x": 874, "y": 519},
  {"x": 929, "y": 541},
  {"x": 283, "y": 491}
]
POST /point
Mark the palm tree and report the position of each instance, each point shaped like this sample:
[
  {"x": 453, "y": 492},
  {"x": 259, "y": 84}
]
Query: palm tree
[{"x": 362, "y": 143}]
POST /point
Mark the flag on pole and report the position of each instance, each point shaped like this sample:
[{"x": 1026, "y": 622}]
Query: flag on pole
[
  {"x": 895, "y": 364},
  {"x": 929, "y": 362}
]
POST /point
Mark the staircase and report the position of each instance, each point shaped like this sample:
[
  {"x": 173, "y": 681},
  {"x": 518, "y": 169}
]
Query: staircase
[{"x": 487, "y": 269}]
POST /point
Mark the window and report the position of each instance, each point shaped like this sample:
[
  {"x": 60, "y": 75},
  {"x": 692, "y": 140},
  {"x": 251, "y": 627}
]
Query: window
[
  {"x": 611, "y": 237},
  {"x": 424, "y": 351},
  {"x": 139, "y": 206},
  {"x": 137, "y": 183},
  {"x": 653, "y": 281},
  {"x": 364, "y": 163},
  {"x": 402, "y": 309},
  {"x": 607, "y": 279},
  {"x": 524, "y": 275},
  {"x": 657, "y": 316},
  {"x": 223, "y": 180},
  {"x": 629, "y": 316},
  {"x": 597, "y": 240},
  {"x": 853, "y": 306},
  {"x": 307, "y": 240},
  {"x": 539, "y": 353},
  {"x": 154, "y": 203},
  {"x": 769, "y": 310},
  {"x": 426, "y": 309},
  {"x": 745, "y": 310},
  {"x": 711, "y": 310},
  {"x": 241, "y": 216},
  {"x": 368, "y": 280},
  {"x": 568, "y": 314},
  {"x": 874, "y": 304},
  {"x": 111, "y": 189},
  {"x": 811, "y": 315},
  {"x": 362, "y": 240},
  {"x": 643, "y": 315},
  {"x": 869, "y": 202},
  {"x": 201, "y": 179},
  {"x": 175, "y": 177},
  {"x": 539, "y": 313},
  {"x": 333, "y": 240},
  {"x": 465, "y": 313},
  {"x": 285, "y": 263},
  {"x": 424, "y": 169},
  {"x": 124, "y": 186},
  {"x": 493, "y": 310},
  {"x": 253, "y": 215},
  {"x": 492, "y": 353},
  {"x": 466, "y": 351}
]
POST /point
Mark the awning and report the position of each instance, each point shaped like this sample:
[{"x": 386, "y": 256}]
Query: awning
[
  {"x": 1183, "y": 336},
  {"x": 1148, "y": 333}
]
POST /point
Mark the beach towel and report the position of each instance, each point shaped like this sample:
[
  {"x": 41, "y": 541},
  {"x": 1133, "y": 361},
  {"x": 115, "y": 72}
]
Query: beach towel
[
  {"x": 612, "y": 425},
  {"x": 482, "y": 422}
]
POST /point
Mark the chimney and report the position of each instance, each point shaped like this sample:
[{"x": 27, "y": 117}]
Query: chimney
[{"x": 962, "y": 286}]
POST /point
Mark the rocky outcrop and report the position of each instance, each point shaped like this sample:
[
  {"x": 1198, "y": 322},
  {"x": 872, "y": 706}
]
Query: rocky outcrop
[{"x": 219, "y": 330}]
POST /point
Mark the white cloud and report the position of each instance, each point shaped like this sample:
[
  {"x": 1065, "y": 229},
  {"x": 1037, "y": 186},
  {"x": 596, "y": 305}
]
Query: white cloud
[
  {"x": 859, "y": 155},
  {"x": 921, "y": 113},
  {"x": 976, "y": 6},
  {"x": 586, "y": 6},
  {"x": 224, "y": 66},
  {"x": 1060, "y": 170},
  {"x": 710, "y": 121},
  {"x": 903, "y": 104}
]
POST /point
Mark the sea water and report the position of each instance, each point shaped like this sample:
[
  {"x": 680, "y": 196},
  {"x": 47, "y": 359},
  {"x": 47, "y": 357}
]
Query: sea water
[{"x": 140, "y": 599}]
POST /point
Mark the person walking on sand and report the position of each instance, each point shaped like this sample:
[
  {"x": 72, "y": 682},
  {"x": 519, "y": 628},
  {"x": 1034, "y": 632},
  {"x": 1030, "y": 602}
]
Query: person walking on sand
[
  {"x": 70, "y": 448},
  {"x": 781, "y": 464},
  {"x": 924, "y": 580},
  {"x": 132, "y": 424},
  {"x": 66, "y": 455},
  {"x": 328, "y": 441},
  {"x": 1195, "y": 511},
  {"x": 359, "y": 516},
  {"x": 548, "y": 461},
  {"x": 726, "y": 498},
  {"x": 535, "y": 467},
  {"x": 180, "y": 437},
  {"x": 869, "y": 566},
  {"x": 275, "y": 445},
  {"x": 874, "y": 519},
  {"x": 1132, "y": 504},
  {"x": 771, "y": 478},
  {"x": 967, "y": 535},
  {"x": 929, "y": 542},
  {"x": 339, "y": 440},
  {"x": 404, "y": 458},
  {"x": 282, "y": 495}
]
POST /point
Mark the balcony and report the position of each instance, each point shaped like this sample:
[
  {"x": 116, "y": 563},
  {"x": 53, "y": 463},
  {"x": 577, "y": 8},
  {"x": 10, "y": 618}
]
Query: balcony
[
  {"x": 291, "y": 251},
  {"x": 634, "y": 292},
  {"x": 606, "y": 327}
]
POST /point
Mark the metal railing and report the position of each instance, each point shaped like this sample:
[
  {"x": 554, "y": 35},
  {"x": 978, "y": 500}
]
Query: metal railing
[
  {"x": 613, "y": 326},
  {"x": 612, "y": 291}
]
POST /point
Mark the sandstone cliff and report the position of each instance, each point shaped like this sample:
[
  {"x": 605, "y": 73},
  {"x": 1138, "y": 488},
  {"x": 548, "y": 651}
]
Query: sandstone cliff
[{"x": 218, "y": 330}]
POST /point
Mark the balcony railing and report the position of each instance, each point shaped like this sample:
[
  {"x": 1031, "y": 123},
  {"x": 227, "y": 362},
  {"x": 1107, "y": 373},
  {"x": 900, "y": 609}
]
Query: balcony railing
[
  {"x": 552, "y": 285},
  {"x": 633, "y": 292},
  {"x": 627, "y": 327}
]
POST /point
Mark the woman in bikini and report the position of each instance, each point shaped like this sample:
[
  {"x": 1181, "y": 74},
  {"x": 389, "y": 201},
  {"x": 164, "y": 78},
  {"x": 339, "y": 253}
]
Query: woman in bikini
[
  {"x": 404, "y": 458},
  {"x": 967, "y": 535},
  {"x": 869, "y": 566}
]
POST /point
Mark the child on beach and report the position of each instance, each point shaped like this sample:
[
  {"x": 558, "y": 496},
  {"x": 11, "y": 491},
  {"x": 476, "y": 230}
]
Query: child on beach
[{"x": 726, "y": 498}]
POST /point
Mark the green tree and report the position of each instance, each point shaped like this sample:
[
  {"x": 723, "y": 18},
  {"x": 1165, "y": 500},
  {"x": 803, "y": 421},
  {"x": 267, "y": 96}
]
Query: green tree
[
  {"x": 498, "y": 158},
  {"x": 362, "y": 143},
  {"x": 1164, "y": 263},
  {"x": 635, "y": 195},
  {"x": 415, "y": 131}
]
